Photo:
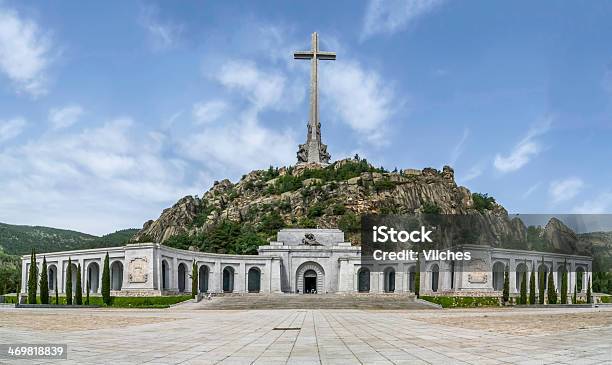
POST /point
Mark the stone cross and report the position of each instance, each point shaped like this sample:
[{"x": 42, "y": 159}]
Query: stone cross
[{"x": 314, "y": 151}]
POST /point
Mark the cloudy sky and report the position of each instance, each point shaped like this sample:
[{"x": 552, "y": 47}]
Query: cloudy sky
[{"x": 111, "y": 112}]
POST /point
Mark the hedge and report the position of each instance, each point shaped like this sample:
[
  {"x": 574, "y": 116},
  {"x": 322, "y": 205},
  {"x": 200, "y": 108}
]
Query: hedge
[
  {"x": 606, "y": 299},
  {"x": 462, "y": 302},
  {"x": 125, "y": 302}
]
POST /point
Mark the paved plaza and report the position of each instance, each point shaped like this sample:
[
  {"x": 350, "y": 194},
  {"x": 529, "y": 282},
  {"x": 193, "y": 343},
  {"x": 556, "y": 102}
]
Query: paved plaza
[{"x": 186, "y": 336}]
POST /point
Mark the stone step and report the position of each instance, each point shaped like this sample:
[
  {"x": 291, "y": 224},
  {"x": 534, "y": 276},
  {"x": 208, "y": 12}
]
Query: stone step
[{"x": 311, "y": 301}]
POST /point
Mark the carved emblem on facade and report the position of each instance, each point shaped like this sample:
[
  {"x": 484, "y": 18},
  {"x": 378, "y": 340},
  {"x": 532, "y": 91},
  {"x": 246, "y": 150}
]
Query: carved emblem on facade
[
  {"x": 310, "y": 240},
  {"x": 138, "y": 270},
  {"x": 478, "y": 274}
]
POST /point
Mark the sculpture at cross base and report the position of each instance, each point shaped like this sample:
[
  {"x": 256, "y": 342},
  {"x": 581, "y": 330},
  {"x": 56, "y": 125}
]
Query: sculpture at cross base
[{"x": 314, "y": 151}]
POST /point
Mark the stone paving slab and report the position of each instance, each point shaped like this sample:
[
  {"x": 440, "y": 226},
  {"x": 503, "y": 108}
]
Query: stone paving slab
[{"x": 324, "y": 337}]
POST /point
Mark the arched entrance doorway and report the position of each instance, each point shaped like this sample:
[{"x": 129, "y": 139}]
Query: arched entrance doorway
[
  {"x": 165, "y": 275},
  {"x": 363, "y": 280},
  {"x": 498, "y": 275},
  {"x": 254, "y": 280},
  {"x": 182, "y": 276},
  {"x": 389, "y": 284},
  {"x": 93, "y": 277},
  {"x": 435, "y": 276},
  {"x": 116, "y": 275},
  {"x": 310, "y": 278},
  {"x": 203, "y": 278},
  {"x": 52, "y": 274},
  {"x": 412, "y": 279},
  {"x": 228, "y": 279}
]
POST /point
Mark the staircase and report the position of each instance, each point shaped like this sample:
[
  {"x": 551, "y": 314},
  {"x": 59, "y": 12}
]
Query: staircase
[{"x": 313, "y": 301}]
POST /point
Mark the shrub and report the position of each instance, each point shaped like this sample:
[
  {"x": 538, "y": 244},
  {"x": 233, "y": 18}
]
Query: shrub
[
  {"x": 44, "y": 283},
  {"x": 338, "y": 209},
  {"x": 482, "y": 202},
  {"x": 78, "y": 291},
  {"x": 431, "y": 208},
  {"x": 384, "y": 184},
  {"x": 350, "y": 223},
  {"x": 606, "y": 299},
  {"x": 106, "y": 298},
  {"x": 462, "y": 302},
  {"x": 69, "y": 282},
  {"x": 306, "y": 222},
  {"x": 32, "y": 279},
  {"x": 316, "y": 210}
]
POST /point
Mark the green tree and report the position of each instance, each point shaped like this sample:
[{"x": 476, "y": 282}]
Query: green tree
[
  {"x": 552, "y": 290},
  {"x": 194, "y": 279},
  {"x": 564, "y": 283},
  {"x": 78, "y": 291},
  {"x": 575, "y": 297},
  {"x": 506, "y": 292},
  {"x": 482, "y": 202},
  {"x": 44, "y": 283},
  {"x": 56, "y": 291},
  {"x": 32, "y": 279},
  {"x": 69, "y": 282},
  {"x": 541, "y": 283},
  {"x": 523, "y": 299},
  {"x": 87, "y": 293},
  {"x": 589, "y": 297},
  {"x": 106, "y": 298},
  {"x": 417, "y": 277},
  {"x": 532, "y": 293}
]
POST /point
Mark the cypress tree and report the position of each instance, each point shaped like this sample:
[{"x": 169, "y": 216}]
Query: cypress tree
[
  {"x": 69, "y": 282},
  {"x": 532, "y": 294},
  {"x": 523, "y": 299},
  {"x": 506, "y": 293},
  {"x": 56, "y": 293},
  {"x": 574, "y": 299},
  {"x": 44, "y": 283},
  {"x": 541, "y": 284},
  {"x": 564, "y": 283},
  {"x": 589, "y": 298},
  {"x": 32, "y": 279},
  {"x": 552, "y": 290},
  {"x": 106, "y": 298},
  {"x": 87, "y": 297},
  {"x": 78, "y": 292},
  {"x": 417, "y": 277},
  {"x": 194, "y": 279}
]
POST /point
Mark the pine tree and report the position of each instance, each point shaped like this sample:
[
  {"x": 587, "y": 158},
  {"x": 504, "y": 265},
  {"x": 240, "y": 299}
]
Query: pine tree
[
  {"x": 532, "y": 294},
  {"x": 552, "y": 290},
  {"x": 589, "y": 298},
  {"x": 523, "y": 299},
  {"x": 106, "y": 298},
  {"x": 564, "y": 283},
  {"x": 506, "y": 292},
  {"x": 87, "y": 297},
  {"x": 78, "y": 292},
  {"x": 44, "y": 283},
  {"x": 541, "y": 283},
  {"x": 194, "y": 279},
  {"x": 69, "y": 282},
  {"x": 32, "y": 279}
]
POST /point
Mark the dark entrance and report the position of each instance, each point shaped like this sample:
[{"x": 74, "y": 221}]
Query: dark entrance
[
  {"x": 254, "y": 280},
  {"x": 310, "y": 282},
  {"x": 364, "y": 280}
]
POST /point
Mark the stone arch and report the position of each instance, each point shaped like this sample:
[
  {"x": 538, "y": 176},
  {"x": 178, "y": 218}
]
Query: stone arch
[
  {"x": 203, "y": 275},
  {"x": 52, "y": 276},
  {"x": 412, "y": 278},
  {"x": 363, "y": 280},
  {"x": 116, "y": 271},
  {"x": 182, "y": 277},
  {"x": 254, "y": 280},
  {"x": 310, "y": 267},
  {"x": 165, "y": 282},
  {"x": 228, "y": 279},
  {"x": 435, "y": 277},
  {"x": 580, "y": 279},
  {"x": 499, "y": 269},
  {"x": 93, "y": 277},
  {"x": 521, "y": 269},
  {"x": 389, "y": 280},
  {"x": 542, "y": 271}
]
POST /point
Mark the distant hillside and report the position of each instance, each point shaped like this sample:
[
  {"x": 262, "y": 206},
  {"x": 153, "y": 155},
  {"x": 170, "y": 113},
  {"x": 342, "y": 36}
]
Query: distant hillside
[{"x": 19, "y": 240}]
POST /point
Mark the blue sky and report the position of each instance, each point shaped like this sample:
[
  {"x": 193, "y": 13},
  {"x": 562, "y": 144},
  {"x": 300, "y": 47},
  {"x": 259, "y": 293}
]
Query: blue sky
[{"x": 110, "y": 112}]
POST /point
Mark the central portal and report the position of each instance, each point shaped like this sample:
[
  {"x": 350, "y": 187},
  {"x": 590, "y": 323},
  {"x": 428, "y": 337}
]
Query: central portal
[{"x": 310, "y": 282}]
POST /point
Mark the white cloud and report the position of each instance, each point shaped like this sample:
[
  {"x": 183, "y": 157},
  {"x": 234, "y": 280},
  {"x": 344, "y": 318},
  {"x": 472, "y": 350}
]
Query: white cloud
[
  {"x": 473, "y": 173},
  {"x": 163, "y": 35},
  {"x": 11, "y": 128},
  {"x": 563, "y": 190},
  {"x": 359, "y": 97},
  {"x": 24, "y": 53},
  {"x": 524, "y": 151},
  {"x": 531, "y": 190},
  {"x": 601, "y": 204},
  {"x": 391, "y": 16},
  {"x": 65, "y": 117},
  {"x": 206, "y": 112},
  {"x": 458, "y": 149}
]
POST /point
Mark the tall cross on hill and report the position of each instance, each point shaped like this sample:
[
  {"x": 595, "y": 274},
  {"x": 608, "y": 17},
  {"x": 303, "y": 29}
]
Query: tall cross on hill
[{"x": 314, "y": 151}]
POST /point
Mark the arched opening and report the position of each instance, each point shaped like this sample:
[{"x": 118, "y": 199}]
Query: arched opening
[
  {"x": 254, "y": 280},
  {"x": 116, "y": 275},
  {"x": 521, "y": 269},
  {"x": 389, "y": 284},
  {"x": 93, "y": 277},
  {"x": 435, "y": 277},
  {"x": 52, "y": 275},
  {"x": 363, "y": 280},
  {"x": 412, "y": 279},
  {"x": 203, "y": 278},
  {"x": 315, "y": 279},
  {"x": 579, "y": 279},
  {"x": 310, "y": 282},
  {"x": 228, "y": 279},
  {"x": 498, "y": 276},
  {"x": 165, "y": 275},
  {"x": 542, "y": 275},
  {"x": 182, "y": 277}
]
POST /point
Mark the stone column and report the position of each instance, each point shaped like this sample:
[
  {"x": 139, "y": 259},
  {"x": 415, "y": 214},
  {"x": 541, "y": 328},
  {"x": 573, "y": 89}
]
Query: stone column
[
  {"x": 275, "y": 276},
  {"x": 24, "y": 276},
  {"x": 174, "y": 275},
  {"x": 512, "y": 275}
]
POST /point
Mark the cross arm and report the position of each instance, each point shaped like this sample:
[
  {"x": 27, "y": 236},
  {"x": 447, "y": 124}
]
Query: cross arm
[
  {"x": 326, "y": 55},
  {"x": 302, "y": 55}
]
